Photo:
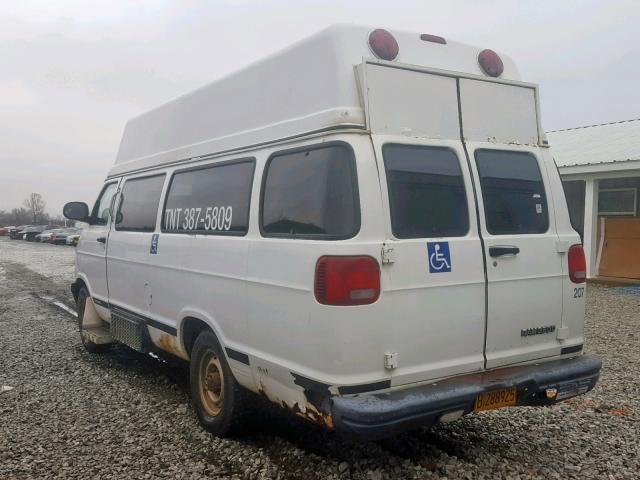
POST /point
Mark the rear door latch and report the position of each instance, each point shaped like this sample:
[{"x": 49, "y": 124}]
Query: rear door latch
[{"x": 388, "y": 254}]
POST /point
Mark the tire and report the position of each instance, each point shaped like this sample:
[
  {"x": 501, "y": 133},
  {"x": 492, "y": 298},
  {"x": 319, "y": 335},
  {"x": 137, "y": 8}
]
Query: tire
[
  {"x": 223, "y": 404},
  {"x": 89, "y": 346}
]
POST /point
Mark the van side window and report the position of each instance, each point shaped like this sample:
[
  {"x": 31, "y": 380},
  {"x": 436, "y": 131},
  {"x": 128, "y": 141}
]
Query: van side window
[
  {"x": 311, "y": 193},
  {"x": 426, "y": 191},
  {"x": 213, "y": 200},
  {"x": 139, "y": 204},
  {"x": 512, "y": 191},
  {"x": 102, "y": 208}
]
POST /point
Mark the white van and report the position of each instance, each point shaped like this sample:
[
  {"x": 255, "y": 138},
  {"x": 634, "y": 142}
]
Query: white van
[{"x": 367, "y": 228}]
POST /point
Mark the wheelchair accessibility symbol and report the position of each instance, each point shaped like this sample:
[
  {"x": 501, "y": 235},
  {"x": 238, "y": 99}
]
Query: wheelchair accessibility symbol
[{"x": 439, "y": 257}]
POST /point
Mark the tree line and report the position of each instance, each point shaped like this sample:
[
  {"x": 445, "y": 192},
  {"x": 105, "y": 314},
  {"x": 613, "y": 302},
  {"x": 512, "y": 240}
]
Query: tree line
[{"x": 32, "y": 212}]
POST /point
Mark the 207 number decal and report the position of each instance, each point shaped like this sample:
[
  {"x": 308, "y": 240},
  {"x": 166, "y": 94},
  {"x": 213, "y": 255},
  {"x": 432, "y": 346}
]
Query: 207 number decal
[{"x": 578, "y": 292}]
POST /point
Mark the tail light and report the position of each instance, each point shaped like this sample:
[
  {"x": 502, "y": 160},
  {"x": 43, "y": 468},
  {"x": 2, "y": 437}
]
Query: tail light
[
  {"x": 347, "y": 280},
  {"x": 577, "y": 264},
  {"x": 383, "y": 44},
  {"x": 52, "y": 238}
]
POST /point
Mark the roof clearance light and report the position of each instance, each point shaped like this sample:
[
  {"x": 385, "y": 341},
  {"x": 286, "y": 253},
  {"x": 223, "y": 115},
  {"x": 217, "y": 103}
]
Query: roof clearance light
[
  {"x": 491, "y": 63},
  {"x": 383, "y": 45},
  {"x": 432, "y": 38}
]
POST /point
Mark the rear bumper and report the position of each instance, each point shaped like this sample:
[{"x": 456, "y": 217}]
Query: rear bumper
[{"x": 382, "y": 415}]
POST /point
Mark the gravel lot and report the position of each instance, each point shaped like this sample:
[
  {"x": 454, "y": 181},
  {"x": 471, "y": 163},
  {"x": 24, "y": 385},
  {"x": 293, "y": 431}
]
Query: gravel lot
[{"x": 126, "y": 415}]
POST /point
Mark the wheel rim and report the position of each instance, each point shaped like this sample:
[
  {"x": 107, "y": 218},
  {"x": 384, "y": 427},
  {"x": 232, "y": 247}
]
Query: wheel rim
[{"x": 211, "y": 384}]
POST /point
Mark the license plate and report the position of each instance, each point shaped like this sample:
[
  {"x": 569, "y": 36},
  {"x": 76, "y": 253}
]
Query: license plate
[{"x": 496, "y": 399}]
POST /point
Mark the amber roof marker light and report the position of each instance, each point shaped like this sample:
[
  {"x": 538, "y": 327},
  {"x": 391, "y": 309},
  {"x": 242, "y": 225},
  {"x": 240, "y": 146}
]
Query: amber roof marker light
[
  {"x": 383, "y": 44},
  {"x": 491, "y": 63}
]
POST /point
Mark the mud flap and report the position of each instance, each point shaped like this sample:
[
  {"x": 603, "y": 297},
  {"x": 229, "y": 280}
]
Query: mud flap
[{"x": 93, "y": 328}]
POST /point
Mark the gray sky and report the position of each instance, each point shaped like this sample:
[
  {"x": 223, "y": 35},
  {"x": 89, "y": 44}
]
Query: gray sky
[{"x": 72, "y": 72}]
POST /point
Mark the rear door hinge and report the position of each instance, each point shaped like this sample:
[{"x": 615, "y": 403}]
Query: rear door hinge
[
  {"x": 388, "y": 254},
  {"x": 562, "y": 333},
  {"x": 562, "y": 246},
  {"x": 391, "y": 360}
]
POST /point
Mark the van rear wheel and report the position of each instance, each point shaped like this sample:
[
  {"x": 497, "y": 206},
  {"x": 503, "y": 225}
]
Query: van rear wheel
[{"x": 220, "y": 402}]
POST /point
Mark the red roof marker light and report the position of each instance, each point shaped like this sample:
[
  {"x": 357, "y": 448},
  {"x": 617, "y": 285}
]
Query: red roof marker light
[
  {"x": 383, "y": 44},
  {"x": 490, "y": 63}
]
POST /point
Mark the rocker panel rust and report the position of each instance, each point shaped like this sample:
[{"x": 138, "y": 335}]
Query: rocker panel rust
[
  {"x": 170, "y": 344},
  {"x": 312, "y": 404}
]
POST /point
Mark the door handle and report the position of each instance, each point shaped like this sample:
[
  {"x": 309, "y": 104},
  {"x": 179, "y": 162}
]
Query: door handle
[
  {"x": 502, "y": 250},
  {"x": 101, "y": 239}
]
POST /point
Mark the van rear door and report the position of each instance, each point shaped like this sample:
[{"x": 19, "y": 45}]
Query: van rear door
[
  {"x": 492, "y": 295},
  {"x": 522, "y": 249},
  {"x": 434, "y": 264}
]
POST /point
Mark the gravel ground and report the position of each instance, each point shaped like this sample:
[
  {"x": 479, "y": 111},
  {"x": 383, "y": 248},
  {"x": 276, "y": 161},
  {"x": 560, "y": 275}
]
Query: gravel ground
[
  {"x": 53, "y": 261},
  {"x": 127, "y": 415}
]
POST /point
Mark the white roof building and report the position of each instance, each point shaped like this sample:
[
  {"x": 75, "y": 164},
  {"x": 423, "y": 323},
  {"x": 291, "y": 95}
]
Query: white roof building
[
  {"x": 600, "y": 168},
  {"x": 595, "y": 148}
]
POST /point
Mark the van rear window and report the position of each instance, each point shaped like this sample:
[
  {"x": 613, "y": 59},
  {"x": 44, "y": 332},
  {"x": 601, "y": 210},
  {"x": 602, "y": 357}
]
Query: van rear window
[
  {"x": 139, "y": 201},
  {"x": 512, "y": 191},
  {"x": 426, "y": 191},
  {"x": 311, "y": 193},
  {"x": 211, "y": 200}
]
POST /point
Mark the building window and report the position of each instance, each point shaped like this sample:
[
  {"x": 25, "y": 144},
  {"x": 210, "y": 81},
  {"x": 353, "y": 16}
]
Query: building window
[
  {"x": 574, "y": 191},
  {"x": 617, "y": 201}
]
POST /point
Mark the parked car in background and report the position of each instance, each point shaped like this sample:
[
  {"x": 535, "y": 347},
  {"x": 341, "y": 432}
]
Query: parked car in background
[
  {"x": 56, "y": 235},
  {"x": 73, "y": 239},
  {"x": 59, "y": 235},
  {"x": 15, "y": 233},
  {"x": 30, "y": 233},
  {"x": 44, "y": 236},
  {"x": 4, "y": 231}
]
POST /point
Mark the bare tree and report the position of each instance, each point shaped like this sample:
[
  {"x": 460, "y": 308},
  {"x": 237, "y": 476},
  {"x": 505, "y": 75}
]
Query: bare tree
[
  {"x": 35, "y": 204},
  {"x": 17, "y": 216}
]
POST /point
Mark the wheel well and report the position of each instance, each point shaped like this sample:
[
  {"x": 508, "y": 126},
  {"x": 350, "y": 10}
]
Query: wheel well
[
  {"x": 76, "y": 286},
  {"x": 190, "y": 331}
]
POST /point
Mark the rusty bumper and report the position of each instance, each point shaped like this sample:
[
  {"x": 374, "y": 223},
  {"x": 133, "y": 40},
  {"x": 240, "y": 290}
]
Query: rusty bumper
[{"x": 381, "y": 415}]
